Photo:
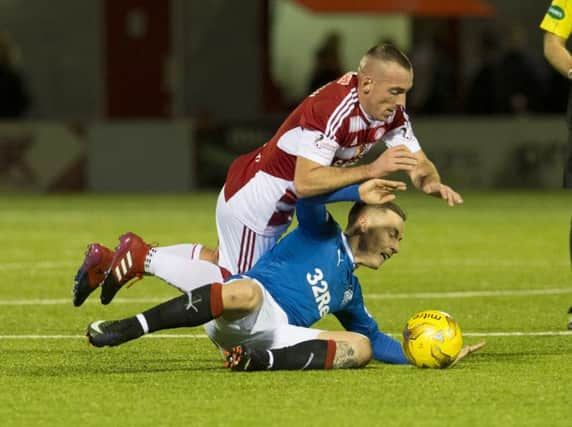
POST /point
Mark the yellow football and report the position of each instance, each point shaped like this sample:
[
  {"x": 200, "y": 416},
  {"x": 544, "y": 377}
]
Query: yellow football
[{"x": 432, "y": 339}]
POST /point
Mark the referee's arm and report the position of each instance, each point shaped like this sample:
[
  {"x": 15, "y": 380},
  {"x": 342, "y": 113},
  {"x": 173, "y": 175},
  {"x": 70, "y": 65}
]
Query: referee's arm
[{"x": 557, "y": 55}]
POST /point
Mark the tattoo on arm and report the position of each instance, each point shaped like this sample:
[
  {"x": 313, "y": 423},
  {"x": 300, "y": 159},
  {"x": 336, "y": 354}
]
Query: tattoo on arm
[{"x": 345, "y": 356}]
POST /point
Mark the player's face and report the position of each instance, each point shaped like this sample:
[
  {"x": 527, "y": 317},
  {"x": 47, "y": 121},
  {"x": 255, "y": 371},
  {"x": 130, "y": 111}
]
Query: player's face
[
  {"x": 382, "y": 92},
  {"x": 381, "y": 242}
]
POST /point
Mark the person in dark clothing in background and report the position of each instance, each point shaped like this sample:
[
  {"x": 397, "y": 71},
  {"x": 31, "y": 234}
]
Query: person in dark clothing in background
[{"x": 14, "y": 98}]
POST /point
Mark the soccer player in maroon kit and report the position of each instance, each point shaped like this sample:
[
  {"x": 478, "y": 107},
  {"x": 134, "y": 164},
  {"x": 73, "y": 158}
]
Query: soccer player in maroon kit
[{"x": 334, "y": 126}]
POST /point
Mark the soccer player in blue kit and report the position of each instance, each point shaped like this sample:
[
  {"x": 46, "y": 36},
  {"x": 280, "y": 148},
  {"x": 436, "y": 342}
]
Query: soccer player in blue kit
[{"x": 261, "y": 319}]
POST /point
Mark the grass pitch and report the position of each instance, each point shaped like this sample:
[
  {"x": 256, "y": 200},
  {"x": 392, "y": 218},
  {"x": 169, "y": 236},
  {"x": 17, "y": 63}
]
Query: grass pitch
[{"x": 499, "y": 265}]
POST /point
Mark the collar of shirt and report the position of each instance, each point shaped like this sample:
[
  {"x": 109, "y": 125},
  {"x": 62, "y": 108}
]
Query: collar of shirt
[{"x": 348, "y": 250}]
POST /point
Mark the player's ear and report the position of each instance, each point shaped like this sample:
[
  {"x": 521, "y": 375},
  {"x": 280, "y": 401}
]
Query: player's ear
[
  {"x": 363, "y": 224},
  {"x": 365, "y": 82}
]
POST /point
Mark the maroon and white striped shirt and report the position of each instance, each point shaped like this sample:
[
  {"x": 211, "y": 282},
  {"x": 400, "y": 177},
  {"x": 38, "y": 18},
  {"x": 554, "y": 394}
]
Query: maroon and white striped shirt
[{"x": 329, "y": 127}]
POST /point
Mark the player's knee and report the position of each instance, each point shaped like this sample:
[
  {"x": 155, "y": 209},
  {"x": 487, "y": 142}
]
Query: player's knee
[
  {"x": 252, "y": 296},
  {"x": 242, "y": 295},
  {"x": 362, "y": 348}
]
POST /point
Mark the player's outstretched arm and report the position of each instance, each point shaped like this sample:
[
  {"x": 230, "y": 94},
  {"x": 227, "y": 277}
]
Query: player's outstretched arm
[
  {"x": 355, "y": 318},
  {"x": 311, "y": 178},
  {"x": 311, "y": 211},
  {"x": 465, "y": 351},
  {"x": 426, "y": 178}
]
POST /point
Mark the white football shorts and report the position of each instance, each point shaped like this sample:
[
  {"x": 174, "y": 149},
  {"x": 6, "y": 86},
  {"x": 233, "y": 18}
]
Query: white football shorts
[
  {"x": 239, "y": 246},
  {"x": 265, "y": 328}
]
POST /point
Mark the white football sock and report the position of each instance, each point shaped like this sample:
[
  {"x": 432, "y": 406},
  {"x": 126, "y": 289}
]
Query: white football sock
[
  {"x": 181, "y": 272},
  {"x": 190, "y": 251}
]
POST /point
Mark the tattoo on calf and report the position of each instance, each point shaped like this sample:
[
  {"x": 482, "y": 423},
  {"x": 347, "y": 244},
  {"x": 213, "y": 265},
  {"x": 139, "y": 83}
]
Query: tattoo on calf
[{"x": 345, "y": 356}]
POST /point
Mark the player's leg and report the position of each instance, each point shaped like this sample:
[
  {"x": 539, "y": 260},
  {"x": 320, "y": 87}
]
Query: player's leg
[
  {"x": 183, "y": 273},
  {"x": 274, "y": 344},
  {"x": 179, "y": 265},
  {"x": 234, "y": 300},
  {"x": 265, "y": 340},
  {"x": 239, "y": 248},
  {"x": 136, "y": 261},
  {"x": 328, "y": 350},
  {"x": 134, "y": 257},
  {"x": 353, "y": 350}
]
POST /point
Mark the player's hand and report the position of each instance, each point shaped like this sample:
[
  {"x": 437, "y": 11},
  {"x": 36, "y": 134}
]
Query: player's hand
[
  {"x": 443, "y": 191},
  {"x": 379, "y": 191},
  {"x": 397, "y": 158},
  {"x": 465, "y": 351}
]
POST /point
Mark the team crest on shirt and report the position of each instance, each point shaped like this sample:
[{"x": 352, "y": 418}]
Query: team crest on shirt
[
  {"x": 348, "y": 295},
  {"x": 379, "y": 133}
]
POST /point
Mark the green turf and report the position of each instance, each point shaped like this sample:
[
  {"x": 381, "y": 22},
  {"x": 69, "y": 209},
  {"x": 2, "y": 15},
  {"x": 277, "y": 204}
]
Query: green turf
[{"x": 497, "y": 241}]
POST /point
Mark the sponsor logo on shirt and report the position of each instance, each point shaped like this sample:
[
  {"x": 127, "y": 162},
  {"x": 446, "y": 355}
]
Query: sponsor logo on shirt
[
  {"x": 405, "y": 133},
  {"x": 356, "y": 154},
  {"x": 320, "y": 291},
  {"x": 556, "y": 12}
]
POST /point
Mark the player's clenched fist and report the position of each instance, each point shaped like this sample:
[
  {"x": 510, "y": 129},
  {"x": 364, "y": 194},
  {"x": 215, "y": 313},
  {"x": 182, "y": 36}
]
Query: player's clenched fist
[{"x": 393, "y": 159}]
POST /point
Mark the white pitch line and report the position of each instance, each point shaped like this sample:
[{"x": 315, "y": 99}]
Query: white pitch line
[
  {"x": 386, "y": 296},
  {"x": 472, "y": 294},
  {"x": 68, "y": 301},
  {"x": 202, "y": 336},
  {"x": 38, "y": 266},
  {"x": 516, "y": 334},
  {"x": 63, "y": 337}
]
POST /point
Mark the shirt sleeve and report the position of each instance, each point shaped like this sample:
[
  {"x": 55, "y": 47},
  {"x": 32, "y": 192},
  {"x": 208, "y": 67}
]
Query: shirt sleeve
[
  {"x": 558, "y": 18},
  {"x": 312, "y": 214},
  {"x": 315, "y": 146},
  {"x": 324, "y": 124},
  {"x": 355, "y": 318}
]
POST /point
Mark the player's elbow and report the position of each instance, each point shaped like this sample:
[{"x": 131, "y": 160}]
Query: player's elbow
[{"x": 302, "y": 187}]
